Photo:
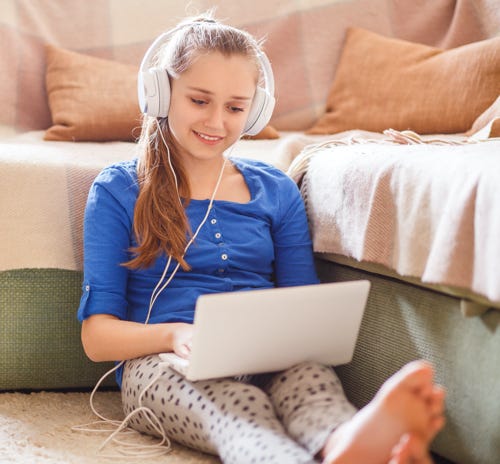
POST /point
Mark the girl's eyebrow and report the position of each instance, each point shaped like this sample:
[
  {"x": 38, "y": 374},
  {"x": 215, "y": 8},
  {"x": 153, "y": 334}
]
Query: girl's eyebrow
[{"x": 208, "y": 92}]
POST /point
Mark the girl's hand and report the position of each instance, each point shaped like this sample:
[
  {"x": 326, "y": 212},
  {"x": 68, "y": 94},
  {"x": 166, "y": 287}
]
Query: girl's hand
[{"x": 182, "y": 336}]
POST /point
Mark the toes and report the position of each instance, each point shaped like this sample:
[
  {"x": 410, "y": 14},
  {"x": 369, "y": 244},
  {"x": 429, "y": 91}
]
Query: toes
[
  {"x": 416, "y": 375},
  {"x": 436, "y": 402}
]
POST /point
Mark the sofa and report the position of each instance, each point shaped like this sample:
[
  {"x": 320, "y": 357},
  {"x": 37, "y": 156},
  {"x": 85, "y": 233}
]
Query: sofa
[{"x": 387, "y": 118}]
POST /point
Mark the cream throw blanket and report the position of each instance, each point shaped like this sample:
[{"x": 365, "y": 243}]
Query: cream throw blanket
[
  {"x": 44, "y": 187},
  {"x": 429, "y": 210}
]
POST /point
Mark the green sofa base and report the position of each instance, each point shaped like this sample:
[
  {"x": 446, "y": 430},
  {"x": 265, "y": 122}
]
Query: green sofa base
[
  {"x": 40, "y": 349},
  {"x": 40, "y": 346},
  {"x": 403, "y": 322}
]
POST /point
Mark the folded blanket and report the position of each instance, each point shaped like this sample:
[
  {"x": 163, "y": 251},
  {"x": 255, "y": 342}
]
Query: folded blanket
[
  {"x": 424, "y": 210},
  {"x": 44, "y": 187}
]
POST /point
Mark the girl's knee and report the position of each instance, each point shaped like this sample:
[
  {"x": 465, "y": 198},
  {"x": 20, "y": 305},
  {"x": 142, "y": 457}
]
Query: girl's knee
[{"x": 306, "y": 372}]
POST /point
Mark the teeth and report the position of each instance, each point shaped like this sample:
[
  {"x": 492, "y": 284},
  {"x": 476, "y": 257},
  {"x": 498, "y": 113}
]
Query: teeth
[{"x": 208, "y": 137}]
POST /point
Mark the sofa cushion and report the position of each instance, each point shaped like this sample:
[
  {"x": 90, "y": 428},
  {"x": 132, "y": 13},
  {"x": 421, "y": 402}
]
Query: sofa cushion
[
  {"x": 90, "y": 99},
  {"x": 93, "y": 99},
  {"x": 491, "y": 117},
  {"x": 269, "y": 132},
  {"x": 384, "y": 83}
]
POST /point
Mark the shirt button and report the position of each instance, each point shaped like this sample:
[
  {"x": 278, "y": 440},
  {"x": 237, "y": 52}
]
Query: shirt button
[
  {"x": 218, "y": 235},
  {"x": 87, "y": 288},
  {"x": 213, "y": 221},
  {"x": 224, "y": 256}
]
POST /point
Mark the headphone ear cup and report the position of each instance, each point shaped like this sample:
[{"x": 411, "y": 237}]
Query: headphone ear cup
[
  {"x": 154, "y": 92},
  {"x": 260, "y": 112},
  {"x": 164, "y": 91}
]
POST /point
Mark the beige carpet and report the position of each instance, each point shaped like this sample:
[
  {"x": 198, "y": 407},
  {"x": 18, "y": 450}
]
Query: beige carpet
[{"x": 36, "y": 429}]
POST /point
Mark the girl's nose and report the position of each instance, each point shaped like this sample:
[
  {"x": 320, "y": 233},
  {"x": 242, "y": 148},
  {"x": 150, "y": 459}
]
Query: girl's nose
[{"x": 215, "y": 117}]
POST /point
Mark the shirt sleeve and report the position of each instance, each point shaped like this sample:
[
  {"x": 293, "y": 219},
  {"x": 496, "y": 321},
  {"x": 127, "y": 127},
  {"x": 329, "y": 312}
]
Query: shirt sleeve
[
  {"x": 107, "y": 230},
  {"x": 294, "y": 259}
]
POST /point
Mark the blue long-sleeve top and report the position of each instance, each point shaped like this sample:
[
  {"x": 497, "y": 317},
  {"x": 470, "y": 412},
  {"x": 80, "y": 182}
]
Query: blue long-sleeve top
[{"x": 242, "y": 246}]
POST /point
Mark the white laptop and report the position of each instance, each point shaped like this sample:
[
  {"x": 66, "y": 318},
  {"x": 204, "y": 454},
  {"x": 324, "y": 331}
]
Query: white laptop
[{"x": 249, "y": 332}]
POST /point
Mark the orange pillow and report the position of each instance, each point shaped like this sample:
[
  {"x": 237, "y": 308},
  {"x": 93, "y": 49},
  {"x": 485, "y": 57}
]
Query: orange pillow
[
  {"x": 495, "y": 128},
  {"x": 93, "y": 99},
  {"x": 491, "y": 115},
  {"x": 384, "y": 83},
  {"x": 269, "y": 132},
  {"x": 90, "y": 99}
]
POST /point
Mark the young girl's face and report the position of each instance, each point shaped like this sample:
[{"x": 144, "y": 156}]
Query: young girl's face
[{"x": 210, "y": 102}]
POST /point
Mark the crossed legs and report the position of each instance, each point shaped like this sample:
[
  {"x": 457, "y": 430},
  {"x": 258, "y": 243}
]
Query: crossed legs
[{"x": 291, "y": 418}]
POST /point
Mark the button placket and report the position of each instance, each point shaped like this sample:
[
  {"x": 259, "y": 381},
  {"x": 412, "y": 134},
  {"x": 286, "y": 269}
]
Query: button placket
[{"x": 217, "y": 235}]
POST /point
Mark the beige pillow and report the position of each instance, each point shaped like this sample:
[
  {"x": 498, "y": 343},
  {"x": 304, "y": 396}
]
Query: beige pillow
[
  {"x": 269, "y": 132},
  {"x": 90, "y": 99},
  {"x": 384, "y": 83},
  {"x": 491, "y": 115},
  {"x": 495, "y": 128}
]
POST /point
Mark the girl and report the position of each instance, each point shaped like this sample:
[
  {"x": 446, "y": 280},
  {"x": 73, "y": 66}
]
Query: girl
[{"x": 184, "y": 220}]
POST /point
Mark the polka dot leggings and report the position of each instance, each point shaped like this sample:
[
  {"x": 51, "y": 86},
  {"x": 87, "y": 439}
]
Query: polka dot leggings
[{"x": 285, "y": 417}]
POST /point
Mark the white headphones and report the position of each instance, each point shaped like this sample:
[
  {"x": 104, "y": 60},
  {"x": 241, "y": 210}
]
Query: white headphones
[{"x": 153, "y": 87}]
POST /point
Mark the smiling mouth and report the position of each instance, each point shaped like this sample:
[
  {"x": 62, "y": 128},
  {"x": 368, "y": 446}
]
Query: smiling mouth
[{"x": 208, "y": 138}]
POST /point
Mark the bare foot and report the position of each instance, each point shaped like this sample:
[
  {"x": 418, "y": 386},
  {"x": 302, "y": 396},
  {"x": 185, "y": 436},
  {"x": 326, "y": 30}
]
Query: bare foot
[{"x": 408, "y": 403}]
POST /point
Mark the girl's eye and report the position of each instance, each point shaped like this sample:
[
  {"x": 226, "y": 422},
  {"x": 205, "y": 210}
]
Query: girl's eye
[
  {"x": 197, "y": 101},
  {"x": 235, "y": 109}
]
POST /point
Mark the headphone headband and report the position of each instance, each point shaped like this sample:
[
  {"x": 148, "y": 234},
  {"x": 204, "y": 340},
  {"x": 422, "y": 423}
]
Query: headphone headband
[{"x": 153, "y": 87}]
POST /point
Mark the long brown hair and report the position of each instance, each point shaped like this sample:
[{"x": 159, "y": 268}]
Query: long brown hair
[{"x": 160, "y": 221}]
